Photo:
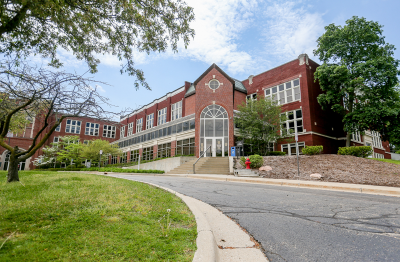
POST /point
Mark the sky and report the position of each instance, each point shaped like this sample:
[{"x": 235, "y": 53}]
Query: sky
[{"x": 243, "y": 37}]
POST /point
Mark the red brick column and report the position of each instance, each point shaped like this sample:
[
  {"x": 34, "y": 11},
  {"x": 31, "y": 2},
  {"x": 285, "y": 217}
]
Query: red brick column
[
  {"x": 173, "y": 147},
  {"x": 155, "y": 149},
  {"x": 128, "y": 156}
]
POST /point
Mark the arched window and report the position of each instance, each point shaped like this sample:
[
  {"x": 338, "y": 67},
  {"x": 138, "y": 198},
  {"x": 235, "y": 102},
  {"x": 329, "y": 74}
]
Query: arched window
[{"x": 214, "y": 130}]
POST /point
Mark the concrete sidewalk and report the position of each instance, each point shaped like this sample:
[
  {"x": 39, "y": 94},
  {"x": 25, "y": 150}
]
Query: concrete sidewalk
[{"x": 344, "y": 187}]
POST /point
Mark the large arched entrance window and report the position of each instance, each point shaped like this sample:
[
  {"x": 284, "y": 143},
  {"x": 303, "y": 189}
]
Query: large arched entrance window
[{"x": 214, "y": 129}]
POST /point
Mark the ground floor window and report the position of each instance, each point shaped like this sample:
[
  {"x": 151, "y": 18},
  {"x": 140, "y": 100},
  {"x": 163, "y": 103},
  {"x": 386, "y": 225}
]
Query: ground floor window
[
  {"x": 185, "y": 147},
  {"x": 290, "y": 149},
  {"x": 124, "y": 157},
  {"x": 148, "y": 153},
  {"x": 114, "y": 159},
  {"x": 377, "y": 155},
  {"x": 134, "y": 155},
  {"x": 164, "y": 150}
]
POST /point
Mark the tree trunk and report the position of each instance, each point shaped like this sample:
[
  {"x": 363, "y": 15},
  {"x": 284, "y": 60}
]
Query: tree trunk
[
  {"x": 13, "y": 169},
  {"x": 348, "y": 139}
]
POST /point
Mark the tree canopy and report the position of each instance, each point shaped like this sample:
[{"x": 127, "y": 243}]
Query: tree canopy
[
  {"x": 88, "y": 28},
  {"x": 358, "y": 76}
]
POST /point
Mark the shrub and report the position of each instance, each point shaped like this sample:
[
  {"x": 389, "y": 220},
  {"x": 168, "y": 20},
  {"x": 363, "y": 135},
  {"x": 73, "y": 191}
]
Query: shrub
[
  {"x": 256, "y": 161},
  {"x": 275, "y": 153},
  {"x": 359, "y": 151},
  {"x": 312, "y": 150}
]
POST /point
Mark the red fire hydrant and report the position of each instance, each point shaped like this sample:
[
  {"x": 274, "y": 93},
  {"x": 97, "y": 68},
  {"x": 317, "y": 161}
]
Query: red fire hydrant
[{"x": 248, "y": 163}]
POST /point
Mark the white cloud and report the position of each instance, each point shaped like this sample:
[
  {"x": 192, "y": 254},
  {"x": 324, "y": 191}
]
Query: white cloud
[
  {"x": 291, "y": 30},
  {"x": 99, "y": 88}
]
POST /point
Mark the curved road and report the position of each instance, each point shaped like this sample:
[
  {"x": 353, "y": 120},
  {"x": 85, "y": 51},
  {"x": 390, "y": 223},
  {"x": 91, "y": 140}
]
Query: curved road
[{"x": 297, "y": 224}]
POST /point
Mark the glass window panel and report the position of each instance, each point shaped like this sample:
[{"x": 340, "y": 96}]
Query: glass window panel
[
  {"x": 296, "y": 82},
  {"x": 169, "y": 131},
  {"x": 226, "y": 127},
  {"x": 192, "y": 124},
  {"x": 202, "y": 127},
  {"x": 299, "y": 129},
  {"x": 288, "y": 85},
  {"x": 293, "y": 150},
  {"x": 219, "y": 127},
  {"x": 185, "y": 126},
  {"x": 289, "y": 96},
  {"x": 290, "y": 115},
  {"x": 164, "y": 131},
  {"x": 282, "y": 97},
  {"x": 173, "y": 129},
  {"x": 179, "y": 128},
  {"x": 297, "y": 93},
  {"x": 281, "y": 88},
  {"x": 298, "y": 114},
  {"x": 267, "y": 92},
  {"x": 209, "y": 128},
  {"x": 274, "y": 89},
  {"x": 291, "y": 125}
]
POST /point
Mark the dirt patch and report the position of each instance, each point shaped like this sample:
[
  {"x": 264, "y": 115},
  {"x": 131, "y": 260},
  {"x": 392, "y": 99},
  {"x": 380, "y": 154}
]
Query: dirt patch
[{"x": 333, "y": 168}]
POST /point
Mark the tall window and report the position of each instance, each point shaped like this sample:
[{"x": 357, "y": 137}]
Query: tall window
[
  {"x": 290, "y": 149},
  {"x": 109, "y": 131},
  {"x": 176, "y": 111},
  {"x": 356, "y": 137},
  {"x": 376, "y": 139},
  {"x": 162, "y": 116},
  {"x": 130, "y": 129},
  {"x": 58, "y": 128},
  {"x": 73, "y": 126},
  {"x": 92, "y": 129},
  {"x": 139, "y": 125},
  {"x": 164, "y": 150},
  {"x": 148, "y": 153},
  {"x": 252, "y": 97},
  {"x": 122, "y": 132},
  {"x": 124, "y": 157},
  {"x": 294, "y": 121},
  {"x": 149, "y": 121},
  {"x": 134, "y": 156},
  {"x": 185, "y": 147},
  {"x": 284, "y": 93},
  {"x": 56, "y": 139}
]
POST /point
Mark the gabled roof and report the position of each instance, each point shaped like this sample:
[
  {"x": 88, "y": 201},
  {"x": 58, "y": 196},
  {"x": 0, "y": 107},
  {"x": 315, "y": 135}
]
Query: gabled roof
[
  {"x": 219, "y": 69},
  {"x": 190, "y": 91}
]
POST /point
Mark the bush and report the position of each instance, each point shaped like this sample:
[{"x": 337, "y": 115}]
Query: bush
[
  {"x": 256, "y": 161},
  {"x": 312, "y": 150},
  {"x": 359, "y": 151},
  {"x": 275, "y": 153}
]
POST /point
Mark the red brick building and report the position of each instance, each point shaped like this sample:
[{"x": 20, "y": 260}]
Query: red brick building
[
  {"x": 84, "y": 127},
  {"x": 199, "y": 115}
]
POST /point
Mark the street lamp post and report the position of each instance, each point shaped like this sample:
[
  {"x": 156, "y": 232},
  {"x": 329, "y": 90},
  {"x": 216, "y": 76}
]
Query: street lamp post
[{"x": 101, "y": 152}]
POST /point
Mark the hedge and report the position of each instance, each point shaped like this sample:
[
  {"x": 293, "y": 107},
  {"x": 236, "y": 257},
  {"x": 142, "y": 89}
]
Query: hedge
[
  {"x": 105, "y": 169},
  {"x": 359, "y": 151},
  {"x": 312, "y": 150},
  {"x": 275, "y": 153},
  {"x": 256, "y": 161}
]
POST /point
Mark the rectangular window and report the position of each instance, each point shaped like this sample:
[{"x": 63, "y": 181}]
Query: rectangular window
[
  {"x": 164, "y": 150},
  {"x": 114, "y": 159},
  {"x": 139, "y": 125},
  {"x": 176, "y": 111},
  {"x": 284, "y": 93},
  {"x": 149, "y": 121},
  {"x": 148, "y": 153},
  {"x": 162, "y": 116},
  {"x": 56, "y": 139},
  {"x": 294, "y": 120},
  {"x": 252, "y": 97},
  {"x": 130, "y": 129},
  {"x": 290, "y": 149},
  {"x": 58, "y": 128},
  {"x": 356, "y": 137},
  {"x": 109, "y": 131},
  {"x": 86, "y": 142},
  {"x": 134, "y": 156},
  {"x": 92, "y": 129},
  {"x": 122, "y": 132},
  {"x": 123, "y": 158},
  {"x": 380, "y": 156},
  {"x": 185, "y": 147},
  {"x": 73, "y": 126},
  {"x": 376, "y": 139}
]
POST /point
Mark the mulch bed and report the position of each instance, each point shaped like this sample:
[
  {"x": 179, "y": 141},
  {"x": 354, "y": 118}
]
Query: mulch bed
[{"x": 333, "y": 168}]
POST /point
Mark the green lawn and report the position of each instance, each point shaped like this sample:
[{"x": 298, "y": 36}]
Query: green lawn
[
  {"x": 83, "y": 217},
  {"x": 388, "y": 160}
]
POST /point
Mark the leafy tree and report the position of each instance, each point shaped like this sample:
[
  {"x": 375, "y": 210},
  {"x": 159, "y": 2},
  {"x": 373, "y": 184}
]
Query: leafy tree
[
  {"x": 70, "y": 150},
  {"x": 259, "y": 123},
  {"x": 358, "y": 76},
  {"x": 92, "y": 150},
  {"x": 87, "y": 28}
]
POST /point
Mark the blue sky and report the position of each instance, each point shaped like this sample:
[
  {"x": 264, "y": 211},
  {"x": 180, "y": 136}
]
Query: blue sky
[{"x": 243, "y": 37}]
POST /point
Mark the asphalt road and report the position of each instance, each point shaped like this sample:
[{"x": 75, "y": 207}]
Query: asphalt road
[{"x": 295, "y": 224}]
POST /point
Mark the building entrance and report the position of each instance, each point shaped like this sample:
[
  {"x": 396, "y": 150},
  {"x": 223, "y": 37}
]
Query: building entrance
[{"x": 214, "y": 129}]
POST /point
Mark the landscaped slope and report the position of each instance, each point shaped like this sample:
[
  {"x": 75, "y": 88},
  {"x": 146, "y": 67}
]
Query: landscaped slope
[{"x": 334, "y": 168}]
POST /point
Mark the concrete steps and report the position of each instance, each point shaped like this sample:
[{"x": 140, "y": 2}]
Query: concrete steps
[{"x": 206, "y": 165}]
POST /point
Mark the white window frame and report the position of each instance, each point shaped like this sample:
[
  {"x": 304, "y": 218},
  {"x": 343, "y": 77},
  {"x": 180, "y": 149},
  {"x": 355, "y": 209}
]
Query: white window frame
[
  {"x": 149, "y": 121},
  {"x": 130, "y": 129},
  {"x": 109, "y": 132},
  {"x": 176, "y": 111},
  {"x": 162, "y": 116},
  {"x": 70, "y": 126},
  {"x": 122, "y": 132},
  {"x": 356, "y": 137},
  {"x": 289, "y": 146},
  {"x": 286, "y": 124},
  {"x": 56, "y": 138},
  {"x": 92, "y": 131},
  {"x": 252, "y": 97},
  {"x": 284, "y": 93},
  {"x": 139, "y": 125},
  {"x": 58, "y": 128},
  {"x": 379, "y": 156},
  {"x": 376, "y": 139}
]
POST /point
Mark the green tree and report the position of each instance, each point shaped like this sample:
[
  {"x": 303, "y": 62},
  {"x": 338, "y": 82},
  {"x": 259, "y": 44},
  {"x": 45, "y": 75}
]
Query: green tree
[
  {"x": 70, "y": 150},
  {"x": 358, "y": 76},
  {"x": 91, "y": 151},
  {"x": 259, "y": 123},
  {"x": 87, "y": 28}
]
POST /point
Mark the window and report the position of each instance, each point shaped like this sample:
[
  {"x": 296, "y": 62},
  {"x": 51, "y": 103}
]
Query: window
[
  {"x": 73, "y": 126},
  {"x": 376, "y": 139},
  {"x": 176, "y": 111},
  {"x": 294, "y": 119},
  {"x": 122, "y": 132},
  {"x": 109, "y": 131},
  {"x": 92, "y": 129},
  {"x": 149, "y": 121},
  {"x": 290, "y": 149},
  {"x": 114, "y": 159},
  {"x": 148, "y": 153},
  {"x": 123, "y": 158},
  {"x": 377, "y": 155},
  {"x": 58, "y": 128},
  {"x": 185, "y": 147},
  {"x": 130, "y": 129},
  {"x": 86, "y": 142},
  {"x": 356, "y": 137},
  {"x": 252, "y": 97},
  {"x": 214, "y": 84},
  {"x": 139, "y": 125},
  {"x": 56, "y": 139},
  {"x": 164, "y": 150},
  {"x": 162, "y": 116},
  {"x": 134, "y": 156},
  {"x": 284, "y": 93}
]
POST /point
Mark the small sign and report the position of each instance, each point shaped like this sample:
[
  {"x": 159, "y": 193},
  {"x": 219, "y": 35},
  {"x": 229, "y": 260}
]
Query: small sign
[{"x": 101, "y": 152}]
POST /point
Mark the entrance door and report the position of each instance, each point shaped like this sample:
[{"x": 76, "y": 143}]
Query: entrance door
[{"x": 216, "y": 149}]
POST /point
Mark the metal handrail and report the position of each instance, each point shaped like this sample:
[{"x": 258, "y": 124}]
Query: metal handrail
[{"x": 194, "y": 165}]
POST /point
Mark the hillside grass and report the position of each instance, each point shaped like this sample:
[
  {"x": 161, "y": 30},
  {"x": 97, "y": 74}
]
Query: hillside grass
[
  {"x": 84, "y": 217},
  {"x": 388, "y": 160}
]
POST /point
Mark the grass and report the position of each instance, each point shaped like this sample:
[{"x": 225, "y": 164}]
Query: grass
[
  {"x": 388, "y": 160},
  {"x": 84, "y": 217}
]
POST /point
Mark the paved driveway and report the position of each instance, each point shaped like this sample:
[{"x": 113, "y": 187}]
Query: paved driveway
[{"x": 295, "y": 224}]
